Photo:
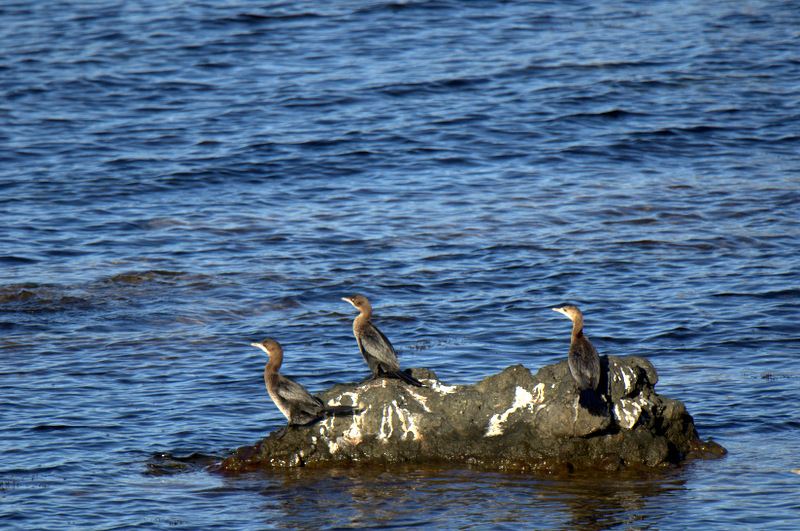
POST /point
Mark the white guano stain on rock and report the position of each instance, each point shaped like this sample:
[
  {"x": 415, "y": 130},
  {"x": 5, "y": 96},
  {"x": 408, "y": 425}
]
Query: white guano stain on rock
[
  {"x": 387, "y": 424},
  {"x": 325, "y": 425},
  {"x": 627, "y": 378},
  {"x": 409, "y": 423},
  {"x": 353, "y": 396},
  {"x": 627, "y": 412},
  {"x": 442, "y": 389},
  {"x": 522, "y": 398},
  {"x": 353, "y": 434},
  {"x": 419, "y": 398},
  {"x": 538, "y": 394},
  {"x": 350, "y": 437}
]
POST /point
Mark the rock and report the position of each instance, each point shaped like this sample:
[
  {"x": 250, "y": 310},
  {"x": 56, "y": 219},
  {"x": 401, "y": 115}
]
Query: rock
[{"x": 513, "y": 420}]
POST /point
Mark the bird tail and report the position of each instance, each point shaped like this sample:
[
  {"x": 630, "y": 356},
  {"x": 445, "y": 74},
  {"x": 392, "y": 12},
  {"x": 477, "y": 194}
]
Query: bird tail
[
  {"x": 407, "y": 378},
  {"x": 332, "y": 411},
  {"x": 590, "y": 399}
]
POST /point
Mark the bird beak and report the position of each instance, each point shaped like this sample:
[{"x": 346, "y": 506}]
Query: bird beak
[
  {"x": 559, "y": 310},
  {"x": 261, "y": 346}
]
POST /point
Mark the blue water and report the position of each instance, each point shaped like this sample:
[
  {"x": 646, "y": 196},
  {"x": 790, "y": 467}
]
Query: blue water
[{"x": 178, "y": 179}]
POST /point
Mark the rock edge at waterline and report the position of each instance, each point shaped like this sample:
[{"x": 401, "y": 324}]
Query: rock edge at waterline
[{"x": 513, "y": 420}]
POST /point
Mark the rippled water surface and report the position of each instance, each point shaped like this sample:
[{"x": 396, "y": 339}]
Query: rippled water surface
[{"x": 178, "y": 179}]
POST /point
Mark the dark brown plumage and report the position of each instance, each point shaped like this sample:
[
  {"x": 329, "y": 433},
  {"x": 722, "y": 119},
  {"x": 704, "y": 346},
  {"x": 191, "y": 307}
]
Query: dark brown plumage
[
  {"x": 374, "y": 346},
  {"x": 291, "y": 398},
  {"x": 583, "y": 361}
]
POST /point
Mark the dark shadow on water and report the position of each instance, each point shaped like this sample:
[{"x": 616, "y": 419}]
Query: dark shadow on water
[{"x": 453, "y": 497}]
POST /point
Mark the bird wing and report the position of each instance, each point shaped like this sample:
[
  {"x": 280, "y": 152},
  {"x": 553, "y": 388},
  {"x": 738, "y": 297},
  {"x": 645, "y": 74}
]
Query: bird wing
[
  {"x": 584, "y": 364},
  {"x": 375, "y": 345},
  {"x": 296, "y": 395}
]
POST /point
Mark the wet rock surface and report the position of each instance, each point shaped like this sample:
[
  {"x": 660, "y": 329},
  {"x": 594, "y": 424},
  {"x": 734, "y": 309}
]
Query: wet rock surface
[{"x": 514, "y": 420}]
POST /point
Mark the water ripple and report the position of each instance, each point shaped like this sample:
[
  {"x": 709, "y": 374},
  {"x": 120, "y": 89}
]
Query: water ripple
[{"x": 182, "y": 179}]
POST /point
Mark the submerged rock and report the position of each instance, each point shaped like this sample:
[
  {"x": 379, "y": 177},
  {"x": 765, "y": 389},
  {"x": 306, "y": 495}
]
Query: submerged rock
[{"x": 513, "y": 420}]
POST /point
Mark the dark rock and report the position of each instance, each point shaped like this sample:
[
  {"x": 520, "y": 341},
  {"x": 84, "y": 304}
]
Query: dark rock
[{"x": 513, "y": 420}]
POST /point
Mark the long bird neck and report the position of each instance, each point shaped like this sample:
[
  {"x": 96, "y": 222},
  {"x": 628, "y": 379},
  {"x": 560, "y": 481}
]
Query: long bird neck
[
  {"x": 577, "y": 327},
  {"x": 275, "y": 360},
  {"x": 363, "y": 318}
]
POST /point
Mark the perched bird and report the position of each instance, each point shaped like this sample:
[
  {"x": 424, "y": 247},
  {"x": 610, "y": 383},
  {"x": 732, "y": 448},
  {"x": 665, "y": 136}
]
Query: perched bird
[
  {"x": 294, "y": 400},
  {"x": 374, "y": 346},
  {"x": 583, "y": 361}
]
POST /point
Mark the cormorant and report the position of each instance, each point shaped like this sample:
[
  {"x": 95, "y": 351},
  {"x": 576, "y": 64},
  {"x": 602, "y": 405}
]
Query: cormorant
[
  {"x": 294, "y": 400},
  {"x": 584, "y": 363},
  {"x": 376, "y": 349}
]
